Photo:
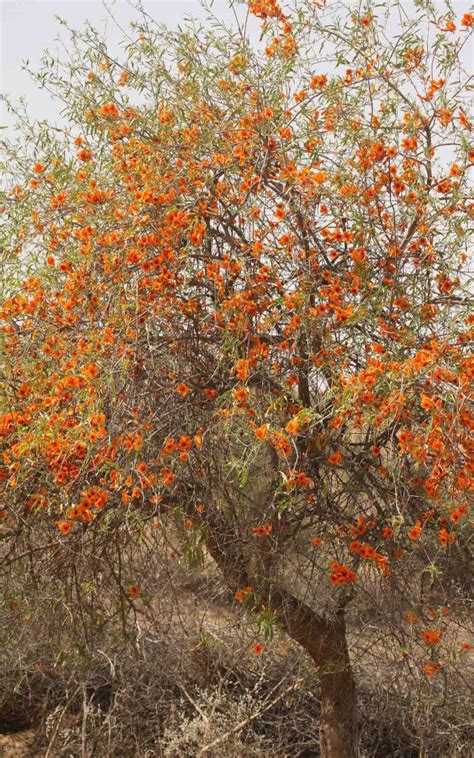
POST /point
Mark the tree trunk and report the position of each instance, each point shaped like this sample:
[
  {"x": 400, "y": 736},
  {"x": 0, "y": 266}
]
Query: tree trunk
[
  {"x": 324, "y": 640},
  {"x": 338, "y": 728}
]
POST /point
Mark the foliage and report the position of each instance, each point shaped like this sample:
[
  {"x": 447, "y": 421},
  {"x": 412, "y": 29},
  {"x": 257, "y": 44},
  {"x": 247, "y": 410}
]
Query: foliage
[{"x": 236, "y": 310}]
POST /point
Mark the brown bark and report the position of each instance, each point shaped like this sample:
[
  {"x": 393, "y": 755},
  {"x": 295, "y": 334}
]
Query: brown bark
[
  {"x": 339, "y": 738},
  {"x": 338, "y": 729},
  {"x": 323, "y": 639}
]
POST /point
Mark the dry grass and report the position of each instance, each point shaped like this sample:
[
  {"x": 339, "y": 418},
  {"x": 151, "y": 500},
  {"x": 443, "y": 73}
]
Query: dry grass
[{"x": 88, "y": 671}]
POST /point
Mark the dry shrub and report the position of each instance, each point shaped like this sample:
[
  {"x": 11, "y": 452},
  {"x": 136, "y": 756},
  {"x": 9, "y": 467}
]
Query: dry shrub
[{"x": 98, "y": 672}]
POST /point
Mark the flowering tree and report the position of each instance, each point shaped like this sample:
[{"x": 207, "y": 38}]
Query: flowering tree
[{"x": 236, "y": 305}]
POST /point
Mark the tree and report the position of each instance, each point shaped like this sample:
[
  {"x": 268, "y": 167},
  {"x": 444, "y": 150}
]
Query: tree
[{"x": 236, "y": 301}]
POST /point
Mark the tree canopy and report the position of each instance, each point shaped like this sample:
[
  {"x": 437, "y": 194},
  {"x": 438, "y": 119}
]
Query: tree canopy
[{"x": 236, "y": 306}]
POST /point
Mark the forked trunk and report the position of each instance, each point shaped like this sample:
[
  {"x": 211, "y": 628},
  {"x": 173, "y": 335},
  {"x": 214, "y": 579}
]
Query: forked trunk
[{"x": 323, "y": 639}]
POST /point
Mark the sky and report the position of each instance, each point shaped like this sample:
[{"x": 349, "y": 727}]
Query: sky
[{"x": 29, "y": 27}]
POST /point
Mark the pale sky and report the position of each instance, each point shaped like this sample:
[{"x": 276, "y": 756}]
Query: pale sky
[{"x": 28, "y": 27}]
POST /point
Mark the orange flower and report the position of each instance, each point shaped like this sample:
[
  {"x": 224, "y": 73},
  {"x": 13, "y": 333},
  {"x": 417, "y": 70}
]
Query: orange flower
[
  {"x": 84, "y": 155},
  {"x": 38, "y": 168},
  {"x": 261, "y": 431},
  {"x": 64, "y": 526},
  {"x": 240, "y": 394},
  {"x": 431, "y": 668},
  {"x": 262, "y": 531},
  {"x": 335, "y": 458},
  {"x": 184, "y": 443},
  {"x": 387, "y": 532},
  {"x": 341, "y": 574},
  {"x": 57, "y": 201},
  {"x": 90, "y": 371},
  {"x": 182, "y": 389},
  {"x": 109, "y": 109},
  {"x": 167, "y": 476},
  {"x": 318, "y": 82},
  {"x": 316, "y": 541},
  {"x": 467, "y": 20},
  {"x": 432, "y": 637},
  {"x": 169, "y": 445},
  {"x": 258, "y": 649},
  {"x": 242, "y": 369},
  {"x": 415, "y": 531},
  {"x": 444, "y": 187},
  {"x": 358, "y": 254},
  {"x": 292, "y": 426},
  {"x": 426, "y": 402},
  {"x": 446, "y": 538},
  {"x": 133, "y": 590},
  {"x": 241, "y": 594},
  {"x": 445, "y": 116},
  {"x": 456, "y": 515}
]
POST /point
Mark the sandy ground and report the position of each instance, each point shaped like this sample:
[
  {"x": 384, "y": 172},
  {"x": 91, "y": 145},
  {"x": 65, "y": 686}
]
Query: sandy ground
[{"x": 16, "y": 745}]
